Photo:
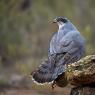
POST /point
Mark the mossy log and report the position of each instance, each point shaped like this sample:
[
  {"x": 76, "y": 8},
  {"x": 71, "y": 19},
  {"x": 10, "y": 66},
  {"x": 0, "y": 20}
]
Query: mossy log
[{"x": 80, "y": 74}]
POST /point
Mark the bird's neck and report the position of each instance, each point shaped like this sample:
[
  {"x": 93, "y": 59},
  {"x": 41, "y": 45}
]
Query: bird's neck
[
  {"x": 61, "y": 25},
  {"x": 60, "y": 33}
]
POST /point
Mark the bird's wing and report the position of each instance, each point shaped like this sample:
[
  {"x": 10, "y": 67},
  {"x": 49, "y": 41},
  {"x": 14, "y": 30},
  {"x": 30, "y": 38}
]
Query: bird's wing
[{"x": 70, "y": 43}]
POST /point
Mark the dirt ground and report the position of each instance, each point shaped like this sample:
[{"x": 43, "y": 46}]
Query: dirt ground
[
  {"x": 24, "y": 91},
  {"x": 40, "y": 90},
  {"x": 19, "y": 92}
]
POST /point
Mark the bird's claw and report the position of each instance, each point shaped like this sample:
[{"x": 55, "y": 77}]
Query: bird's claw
[{"x": 53, "y": 85}]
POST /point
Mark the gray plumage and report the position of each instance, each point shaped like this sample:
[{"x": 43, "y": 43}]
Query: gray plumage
[{"x": 66, "y": 46}]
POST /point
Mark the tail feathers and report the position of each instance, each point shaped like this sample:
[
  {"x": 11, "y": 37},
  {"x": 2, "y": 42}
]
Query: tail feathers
[
  {"x": 53, "y": 67},
  {"x": 43, "y": 73},
  {"x": 50, "y": 69}
]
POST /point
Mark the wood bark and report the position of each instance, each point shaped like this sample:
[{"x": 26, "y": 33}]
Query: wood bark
[{"x": 81, "y": 75}]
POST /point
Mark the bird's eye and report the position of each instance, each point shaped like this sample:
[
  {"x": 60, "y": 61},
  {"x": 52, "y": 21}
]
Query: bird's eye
[{"x": 64, "y": 20}]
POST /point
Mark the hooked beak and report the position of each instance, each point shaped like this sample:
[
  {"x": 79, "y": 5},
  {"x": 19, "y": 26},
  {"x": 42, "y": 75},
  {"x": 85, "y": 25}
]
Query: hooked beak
[{"x": 54, "y": 21}]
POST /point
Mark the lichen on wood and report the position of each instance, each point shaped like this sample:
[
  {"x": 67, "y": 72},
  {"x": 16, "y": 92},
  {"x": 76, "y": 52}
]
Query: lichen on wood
[
  {"x": 82, "y": 72},
  {"x": 80, "y": 75}
]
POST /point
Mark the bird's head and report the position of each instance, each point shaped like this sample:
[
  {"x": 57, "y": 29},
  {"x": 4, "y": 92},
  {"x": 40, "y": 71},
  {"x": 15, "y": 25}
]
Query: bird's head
[{"x": 61, "y": 21}]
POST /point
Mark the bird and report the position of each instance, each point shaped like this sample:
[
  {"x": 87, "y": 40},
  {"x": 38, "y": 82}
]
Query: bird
[{"x": 67, "y": 45}]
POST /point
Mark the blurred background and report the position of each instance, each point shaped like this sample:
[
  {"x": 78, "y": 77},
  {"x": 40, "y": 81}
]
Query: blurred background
[{"x": 25, "y": 33}]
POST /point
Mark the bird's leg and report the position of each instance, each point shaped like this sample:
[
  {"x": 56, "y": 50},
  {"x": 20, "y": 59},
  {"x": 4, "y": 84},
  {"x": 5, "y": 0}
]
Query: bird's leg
[{"x": 53, "y": 85}]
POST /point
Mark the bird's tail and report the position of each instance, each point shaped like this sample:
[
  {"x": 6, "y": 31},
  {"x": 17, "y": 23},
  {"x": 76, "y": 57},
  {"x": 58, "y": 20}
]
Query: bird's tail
[
  {"x": 49, "y": 69},
  {"x": 43, "y": 73}
]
